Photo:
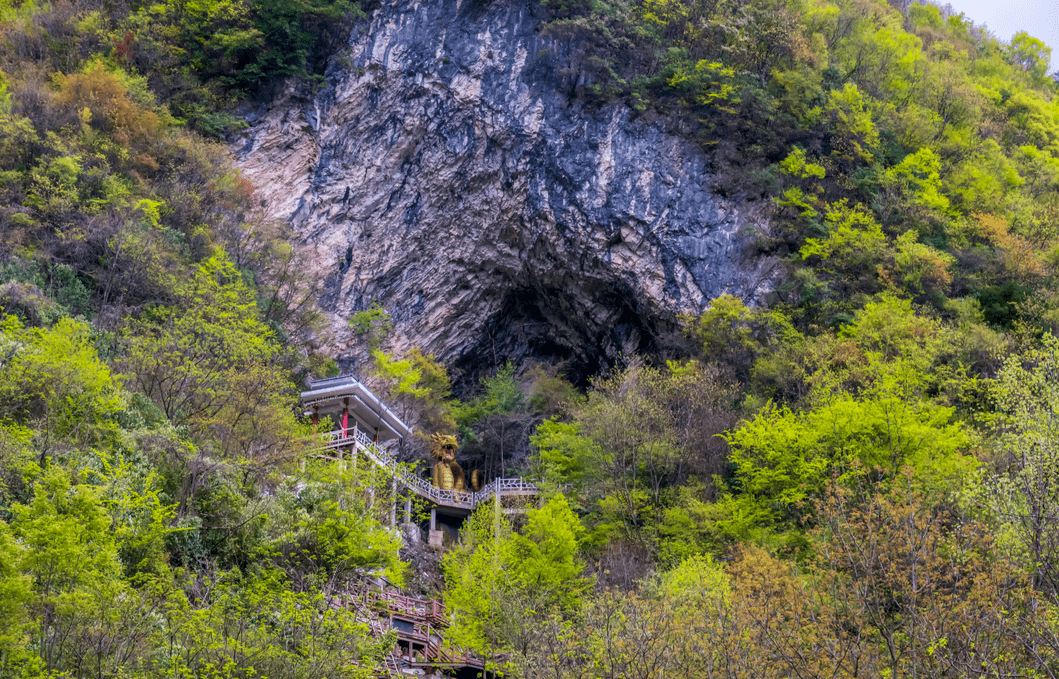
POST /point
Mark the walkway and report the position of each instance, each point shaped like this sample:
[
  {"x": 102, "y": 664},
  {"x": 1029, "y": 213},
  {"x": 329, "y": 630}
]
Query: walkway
[
  {"x": 338, "y": 440},
  {"x": 419, "y": 625}
]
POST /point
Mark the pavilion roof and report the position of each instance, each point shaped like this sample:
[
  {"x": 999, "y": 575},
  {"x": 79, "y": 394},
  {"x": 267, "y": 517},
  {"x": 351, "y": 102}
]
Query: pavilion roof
[{"x": 328, "y": 396}]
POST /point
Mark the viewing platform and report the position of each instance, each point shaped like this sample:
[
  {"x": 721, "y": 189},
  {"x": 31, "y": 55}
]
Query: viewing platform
[
  {"x": 342, "y": 441},
  {"x": 364, "y": 422}
]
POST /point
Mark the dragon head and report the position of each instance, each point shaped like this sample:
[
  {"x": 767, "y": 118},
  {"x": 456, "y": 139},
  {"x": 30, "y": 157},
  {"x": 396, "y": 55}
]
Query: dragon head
[{"x": 443, "y": 447}]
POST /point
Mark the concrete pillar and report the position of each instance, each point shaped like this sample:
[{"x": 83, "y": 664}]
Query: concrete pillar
[
  {"x": 435, "y": 537},
  {"x": 393, "y": 503},
  {"x": 408, "y": 509}
]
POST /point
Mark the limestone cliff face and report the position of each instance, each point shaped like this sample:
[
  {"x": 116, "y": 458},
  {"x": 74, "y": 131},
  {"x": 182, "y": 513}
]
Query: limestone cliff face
[{"x": 445, "y": 171}]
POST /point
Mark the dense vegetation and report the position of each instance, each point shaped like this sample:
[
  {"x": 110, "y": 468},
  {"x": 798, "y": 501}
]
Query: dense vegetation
[
  {"x": 154, "y": 518},
  {"x": 859, "y": 479}
]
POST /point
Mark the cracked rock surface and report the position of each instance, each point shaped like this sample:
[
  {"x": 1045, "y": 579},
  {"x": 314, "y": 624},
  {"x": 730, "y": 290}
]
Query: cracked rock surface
[{"x": 445, "y": 171}]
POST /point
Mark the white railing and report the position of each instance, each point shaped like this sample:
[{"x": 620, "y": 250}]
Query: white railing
[{"x": 458, "y": 498}]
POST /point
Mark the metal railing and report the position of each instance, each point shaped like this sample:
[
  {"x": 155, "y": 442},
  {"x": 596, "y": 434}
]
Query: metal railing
[
  {"x": 337, "y": 379},
  {"x": 378, "y": 609},
  {"x": 336, "y": 440}
]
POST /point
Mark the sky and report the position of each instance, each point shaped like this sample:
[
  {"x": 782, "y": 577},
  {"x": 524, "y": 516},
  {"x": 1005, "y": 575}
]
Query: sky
[{"x": 1039, "y": 18}]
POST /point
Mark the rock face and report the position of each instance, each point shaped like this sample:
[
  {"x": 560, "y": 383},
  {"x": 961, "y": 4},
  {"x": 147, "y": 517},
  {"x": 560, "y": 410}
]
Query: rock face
[{"x": 445, "y": 172}]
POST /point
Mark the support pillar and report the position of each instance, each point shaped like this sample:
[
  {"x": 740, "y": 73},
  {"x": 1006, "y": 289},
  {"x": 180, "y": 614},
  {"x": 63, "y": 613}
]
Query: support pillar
[
  {"x": 393, "y": 503},
  {"x": 435, "y": 538},
  {"x": 496, "y": 508},
  {"x": 408, "y": 509}
]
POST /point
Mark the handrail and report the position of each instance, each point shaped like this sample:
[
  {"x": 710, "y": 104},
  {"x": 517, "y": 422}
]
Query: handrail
[
  {"x": 429, "y": 622},
  {"x": 337, "y": 379},
  {"x": 459, "y": 498}
]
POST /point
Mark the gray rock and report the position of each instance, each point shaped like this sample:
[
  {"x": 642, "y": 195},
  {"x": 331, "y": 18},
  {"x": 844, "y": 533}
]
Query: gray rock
[{"x": 444, "y": 172}]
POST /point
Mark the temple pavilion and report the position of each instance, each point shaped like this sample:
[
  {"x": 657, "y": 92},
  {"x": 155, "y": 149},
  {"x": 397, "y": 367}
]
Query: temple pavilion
[
  {"x": 361, "y": 421},
  {"x": 352, "y": 408}
]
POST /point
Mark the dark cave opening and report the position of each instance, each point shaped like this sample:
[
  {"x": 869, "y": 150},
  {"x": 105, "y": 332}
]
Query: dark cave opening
[{"x": 584, "y": 333}]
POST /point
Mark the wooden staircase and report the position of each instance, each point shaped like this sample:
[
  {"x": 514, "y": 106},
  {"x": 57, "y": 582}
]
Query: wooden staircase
[{"x": 419, "y": 625}]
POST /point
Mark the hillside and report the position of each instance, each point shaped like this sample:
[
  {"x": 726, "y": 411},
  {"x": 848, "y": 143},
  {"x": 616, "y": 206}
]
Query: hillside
[{"x": 763, "y": 293}]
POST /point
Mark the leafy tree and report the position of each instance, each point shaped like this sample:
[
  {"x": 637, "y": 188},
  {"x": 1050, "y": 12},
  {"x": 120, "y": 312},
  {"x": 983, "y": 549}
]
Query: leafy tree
[
  {"x": 373, "y": 323},
  {"x": 1023, "y": 497},
  {"x": 327, "y": 535},
  {"x": 502, "y": 584},
  {"x": 890, "y": 559},
  {"x": 419, "y": 386},
  {"x": 732, "y": 335},
  {"x": 79, "y": 600},
  {"x": 854, "y": 244},
  {"x": 642, "y": 435},
  {"x": 211, "y": 364},
  {"x": 548, "y": 554},
  {"x": 1030, "y": 54},
  {"x": 782, "y": 459},
  {"x": 566, "y": 455},
  {"x": 497, "y": 421},
  {"x": 912, "y": 189},
  {"x": 15, "y": 618},
  {"x": 54, "y": 381},
  {"x": 254, "y": 625}
]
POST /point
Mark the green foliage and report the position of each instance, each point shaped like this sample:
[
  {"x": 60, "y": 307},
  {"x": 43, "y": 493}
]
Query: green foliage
[
  {"x": 854, "y": 242},
  {"x": 53, "y": 379},
  {"x": 856, "y": 135},
  {"x": 566, "y": 455},
  {"x": 797, "y": 165},
  {"x": 5, "y": 96},
  {"x": 1021, "y": 498},
  {"x": 782, "y": 459},
  {"x": 374, "y": 323},
  {"x": 212, "y": 364},
  {"x": 503, "y": 395},
  {"x": 732, "y": 334},
  {"x": 206, "y": 52},
  {"x": 132, "y": 495},
  {"x": 547, "y": 553},
  {"x": 256, "y": 625},
  {"x": 15, "y": 616},
  {"x": 330, "y": 532},
  {"x": 504, "y": 583},
  {"x": 161, "y": 522},
  {"x": 71, "y": 558},
  {"x": 1029, "y": 54},
  {"x": 640, "y": 455},
  {"x": 497, "y": 421},
  {"x": 417, "y": 384}
]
